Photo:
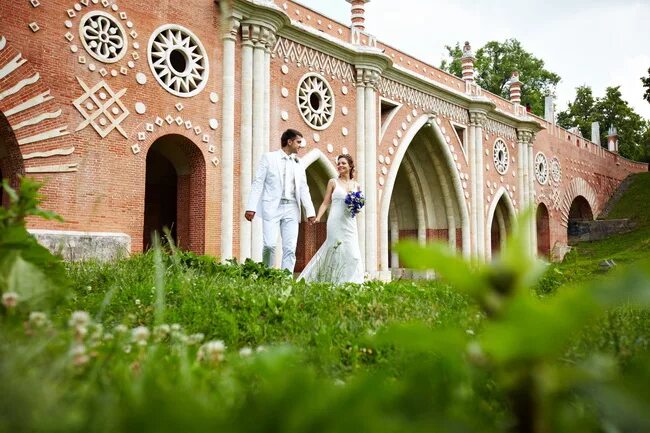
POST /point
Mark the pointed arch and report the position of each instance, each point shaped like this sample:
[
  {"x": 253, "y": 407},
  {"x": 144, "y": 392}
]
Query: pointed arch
[
  {"x": 446, "y": 162},
  {"x": 501, "y": 212}
]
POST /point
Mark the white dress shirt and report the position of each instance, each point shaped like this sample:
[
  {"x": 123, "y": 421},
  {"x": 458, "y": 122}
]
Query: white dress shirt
[{"x": 289, "y": 176}]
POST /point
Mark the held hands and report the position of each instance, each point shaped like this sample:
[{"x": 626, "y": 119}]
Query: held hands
[
  {"x": 312, "y": 220},
  {"x": 249, "y": 215}
]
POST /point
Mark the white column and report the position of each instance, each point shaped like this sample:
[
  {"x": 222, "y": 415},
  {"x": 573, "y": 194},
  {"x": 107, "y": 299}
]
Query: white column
[
  {"x": 473, "y": 181},
  {"x": 480, "y": 197},
  {"x": 394, "y": 238},
  {"x": 228, "y": 142},
  {"x": 361, "y": 158},
  {"x": 246, "y": 141},
  {"x": 259, "y": 120},
  {"x": 371, "y": 179},
  {"x": 520, "y": 172},
  {"x": 267, "y": 94},
  {"x": 531, "y": 198},
  {"x": 524, "y": 205}
]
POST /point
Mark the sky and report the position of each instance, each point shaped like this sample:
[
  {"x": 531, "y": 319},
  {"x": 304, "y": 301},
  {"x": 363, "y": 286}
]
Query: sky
[{"x": 598, "y": 43}]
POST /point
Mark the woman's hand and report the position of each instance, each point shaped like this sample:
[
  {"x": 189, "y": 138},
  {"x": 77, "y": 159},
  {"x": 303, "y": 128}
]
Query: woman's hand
[{"x": 317, "y": 220}]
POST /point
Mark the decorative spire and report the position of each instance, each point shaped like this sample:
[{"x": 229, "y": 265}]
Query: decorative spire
[
  {"x": 515, "y": 88},
  {"x": 358, "y": 10},
  {"x": 467, "y": 62},
  {"x": 612, "y": 139}
]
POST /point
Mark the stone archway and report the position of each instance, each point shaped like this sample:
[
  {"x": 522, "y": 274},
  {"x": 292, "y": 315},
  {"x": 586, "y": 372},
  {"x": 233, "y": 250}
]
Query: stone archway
[
  {"x": 319, "y": 171},
  {"x": 543, "y": 231},
  {"x": 579, "y": 212},
  {"x": 175, "y": 192},
  {"x": 422, "y": 197},
  {"x": 11, "y": 161},
  {"x": 501, "y": 216}
]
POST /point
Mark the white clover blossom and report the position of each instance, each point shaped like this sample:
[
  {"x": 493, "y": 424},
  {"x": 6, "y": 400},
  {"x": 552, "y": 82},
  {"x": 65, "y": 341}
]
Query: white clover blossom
[
  {"x": 212, "y": 351},
  {"x": 137, "y": 302},
  {"x": 79, "y": 319},
  {"x": 161, "y": 332},
  {"x": 108, "y": 337},
  {"x": 175, "y": 327},
  {"x": 121, "y": 329},
  {"x": 140, "y": 335},
  {"x": 195, "y": 338},
  {"x": 10, "y": 299},
  {"x": 245, "y": 352},
  {"x": 469, "y": 331},
  {"x": 260, "y": 349},
  {"x": 38, "y": 319},
  {"x": 78, "y": 354}
]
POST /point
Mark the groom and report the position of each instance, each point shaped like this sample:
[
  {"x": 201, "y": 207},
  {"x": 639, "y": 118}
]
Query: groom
[{"x": 281, "y": 185}]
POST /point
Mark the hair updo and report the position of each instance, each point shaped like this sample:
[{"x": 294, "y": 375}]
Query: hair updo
[{"x": 350, "y": 161}]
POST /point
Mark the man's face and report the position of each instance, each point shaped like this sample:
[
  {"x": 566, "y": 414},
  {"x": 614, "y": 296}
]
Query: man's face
[{"x": 295, "y": 144}]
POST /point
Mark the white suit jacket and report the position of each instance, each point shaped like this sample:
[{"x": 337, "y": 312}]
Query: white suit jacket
[{"x": 266, "y": 190}]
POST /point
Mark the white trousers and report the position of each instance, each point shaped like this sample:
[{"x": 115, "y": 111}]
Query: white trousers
[{"x": 286, "y": 224}]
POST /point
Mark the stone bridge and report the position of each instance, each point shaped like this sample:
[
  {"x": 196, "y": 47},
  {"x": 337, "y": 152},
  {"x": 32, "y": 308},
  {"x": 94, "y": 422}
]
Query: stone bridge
[{"x": 142, "y": 117}]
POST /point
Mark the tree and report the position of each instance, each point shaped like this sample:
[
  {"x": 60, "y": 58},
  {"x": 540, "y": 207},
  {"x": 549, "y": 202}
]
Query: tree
[
  {"x": 646, "y": 84},
  {"x": 495, "y": 63},
  {"x": 610, "y": 110},
  {"x": 580, "y": 112}
]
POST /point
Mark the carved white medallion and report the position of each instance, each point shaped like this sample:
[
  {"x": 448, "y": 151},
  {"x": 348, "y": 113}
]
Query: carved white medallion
[
  {"x": 556, "y": 170},
  {"x": 315, "y": 101},
  {"x": 103, "y": 36},
  {"x": 178, "y": 60},
  {"x": 501, "y": 156},
  {"x": 541, "y": 168}
]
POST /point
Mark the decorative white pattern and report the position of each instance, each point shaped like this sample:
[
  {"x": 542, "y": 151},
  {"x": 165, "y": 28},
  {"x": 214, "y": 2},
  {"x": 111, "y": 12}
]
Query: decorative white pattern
[
  {"x": 541, "y": 168},
  {"x": 500, "y": 129},
  {"x": 101, "y": 108},
  {"x": 103, "y": 36},
  {"x": 178, "y": 60},
  {"x": 501, "y": 156},
  {"x": 556, "y": 170},
  {"x": 315, "y": 101},
  {"x": 309, "y": 57},
  {"x": 401, "y": 92}
]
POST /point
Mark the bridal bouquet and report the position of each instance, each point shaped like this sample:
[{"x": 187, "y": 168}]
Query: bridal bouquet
[{"x": 355, "y": 200}]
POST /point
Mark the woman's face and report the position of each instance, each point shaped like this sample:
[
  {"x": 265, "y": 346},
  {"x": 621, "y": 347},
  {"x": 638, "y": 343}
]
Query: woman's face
[{"x": 342, "y": 166}]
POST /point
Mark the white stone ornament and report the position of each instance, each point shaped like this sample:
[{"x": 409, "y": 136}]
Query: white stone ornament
[
  {"x": 501, "y": 156},
  {"x": 556, "y": 170},
  {"x": 141, "y": 78},
  {"x": 178, "y": 60},
  {"x": 103, "y": 36},
  {"x": 330, "y": 148},
  {"x": 214, "y": 97},
  {"x": 541, "y": 168},
  {"x": 101, "y": 108},
  {"x": 140, "y": 108},
  {"x": 214, "y": 123},
  {"x": 315, "y": 101}
]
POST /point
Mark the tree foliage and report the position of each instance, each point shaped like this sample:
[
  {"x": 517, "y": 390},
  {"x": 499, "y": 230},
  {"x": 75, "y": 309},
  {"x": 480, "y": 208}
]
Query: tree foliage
[
  {"x": 494, "y": 64},
  {"x": 610, "y": 110},
  {"x": 646, "y": 84}
]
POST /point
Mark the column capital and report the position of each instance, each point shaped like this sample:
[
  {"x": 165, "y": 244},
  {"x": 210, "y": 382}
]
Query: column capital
[
  {"x": 525, "y": 136},
  {"x": 258, "y": 34},
  {"x": 477, "y": 118},
  {"x": 231, "y": 27},
  {"x": 367, "y": 77}
]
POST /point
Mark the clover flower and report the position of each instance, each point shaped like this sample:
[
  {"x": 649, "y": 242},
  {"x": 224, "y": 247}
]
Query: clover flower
[
  {"x": 140, "y": 335},
  {"x": 78, "y": 354},
  {"x": 10, "y": 299},
  {"x": 79, "y": 319},
  {"x": 38, "y": 319},
  {"x": 161, "y": 332},
  {"x": 121, "y": 329},
  {"x": 245, "y": 352},
  {"x": 195, "y": 338},
  {"x": 212, "y": 351}
]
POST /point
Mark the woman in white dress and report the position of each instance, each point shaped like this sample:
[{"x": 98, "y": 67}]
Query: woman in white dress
[{"x": 339, "y": 259}]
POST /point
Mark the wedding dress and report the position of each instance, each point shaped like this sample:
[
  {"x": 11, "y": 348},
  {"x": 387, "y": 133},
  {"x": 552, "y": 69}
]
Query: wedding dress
[{"x": 339, "y": 259}]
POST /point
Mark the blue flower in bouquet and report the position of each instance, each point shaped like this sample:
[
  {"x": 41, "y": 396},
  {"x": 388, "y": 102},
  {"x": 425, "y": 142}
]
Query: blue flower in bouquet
[{"x": 355, "y": 200}]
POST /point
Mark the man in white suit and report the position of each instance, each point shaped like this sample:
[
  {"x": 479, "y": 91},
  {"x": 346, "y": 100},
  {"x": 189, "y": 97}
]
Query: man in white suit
[{"x": 278, "y": 191}]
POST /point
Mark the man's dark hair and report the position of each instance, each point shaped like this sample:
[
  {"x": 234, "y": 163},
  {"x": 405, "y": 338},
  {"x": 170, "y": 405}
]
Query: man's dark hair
[{"x": 289, "y": 134}]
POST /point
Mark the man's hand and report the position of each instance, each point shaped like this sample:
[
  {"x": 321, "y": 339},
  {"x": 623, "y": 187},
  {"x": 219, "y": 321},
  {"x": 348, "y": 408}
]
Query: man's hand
[
  {"x": 311, "y": 220},
  {"x": 249, "y": 215}
]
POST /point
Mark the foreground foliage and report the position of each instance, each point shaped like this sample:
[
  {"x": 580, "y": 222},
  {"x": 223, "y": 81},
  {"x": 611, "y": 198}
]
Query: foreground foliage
[{"x": 169, "y": 341}]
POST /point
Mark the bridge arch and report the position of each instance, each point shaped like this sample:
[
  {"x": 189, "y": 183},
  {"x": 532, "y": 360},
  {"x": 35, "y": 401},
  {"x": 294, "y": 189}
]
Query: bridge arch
[
  {"x": 578, "y": 187},
  {"x": 423, "y": 152},
  {"x": 500, "y": 218},
  {"x": 319, "y": 170},
  {"x": 543, "y": 227}
]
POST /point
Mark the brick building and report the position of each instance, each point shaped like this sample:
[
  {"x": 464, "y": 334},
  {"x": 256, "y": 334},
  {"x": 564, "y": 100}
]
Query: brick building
[{"x": 142, "y": 117}]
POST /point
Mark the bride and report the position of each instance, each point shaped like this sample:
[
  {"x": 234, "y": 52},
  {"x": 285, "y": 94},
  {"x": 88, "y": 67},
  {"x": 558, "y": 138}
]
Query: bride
[{"x": 339, "y": 259}]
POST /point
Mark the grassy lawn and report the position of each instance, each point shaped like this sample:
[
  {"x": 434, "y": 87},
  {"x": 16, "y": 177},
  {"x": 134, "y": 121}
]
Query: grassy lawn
[{"x": 168, "y": 341}]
